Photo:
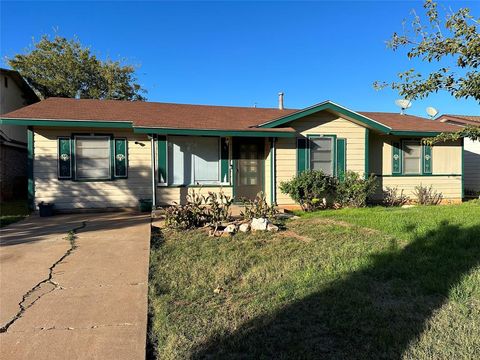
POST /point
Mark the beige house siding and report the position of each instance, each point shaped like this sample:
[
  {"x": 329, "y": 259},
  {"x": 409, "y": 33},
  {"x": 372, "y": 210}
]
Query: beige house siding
[
  {"x": 171, "y": 195},
  {"x": 325, "y": 123},
  {"x": 68, "y": 194},
  {"x": 471, "y": 165},
  {"x": 446, "y": 168}
]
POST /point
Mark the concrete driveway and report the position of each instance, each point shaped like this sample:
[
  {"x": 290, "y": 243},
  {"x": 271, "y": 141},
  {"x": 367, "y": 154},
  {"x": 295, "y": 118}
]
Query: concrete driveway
[{"x": 74, "y": 297}]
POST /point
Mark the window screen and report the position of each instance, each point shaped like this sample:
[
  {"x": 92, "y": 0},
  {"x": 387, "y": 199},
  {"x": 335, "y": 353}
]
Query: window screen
[
  {"x": 193, "y": 160},
  {"x": 412, "y": 151},
  {"x": 92, "y": 157},
  {"x": 321, "y": 154}
]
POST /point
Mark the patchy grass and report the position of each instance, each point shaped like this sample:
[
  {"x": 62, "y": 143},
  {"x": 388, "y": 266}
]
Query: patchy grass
[
  {"x": 13, "y": 211},
  {"x": 354, "y": 283}
]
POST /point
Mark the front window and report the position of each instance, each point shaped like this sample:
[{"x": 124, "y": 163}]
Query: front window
[
  {"x": 193, "y": 160},
  {"x": 321, "y": 154},
  {"x": 92, "y": 157},
  {"x": 412, "y": 151}
]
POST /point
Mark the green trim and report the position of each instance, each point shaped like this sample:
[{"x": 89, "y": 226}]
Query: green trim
[
  {"x": 327, "y": 105},
  {"x": 72, "y": 123},
  {"x": 463, "y": 169},
  {"x": 30, "y": 157},
  {"x": 414, "y": 133},
  {"x": 302, "y": 149},
  {"x": 120, "y": 166},
  {"x": 64, "y": 167},
  {"x": 224, "y": 151},
  {"x": 341, "y": 158},
  {"x": 273, "y": 199},
  {"x": 334, "y": 155},
  {"x": 417, "y": 175},
  {"x": 162, "y": 159},
  {"x": 426, "y": 159},
  {"x": 396, "y": 158},
  {"x": 201, "y": 132},
  {"x": 367, "y": 160},
  {"x": 195, "y": 186}
]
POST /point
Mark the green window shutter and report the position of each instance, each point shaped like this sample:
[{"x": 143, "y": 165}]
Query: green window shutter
[
  {"x": 162, "y": 159},
  {"x": 341, "y": 158},
  {"x": 396, "y": 158},
  {"x": 64, "y": 158},
  {"x": 302, "y": 153},
  {"x": 224, "y": 173},
  {"x": 121, "y": 158},
  {"x": 427, "y": 159}
]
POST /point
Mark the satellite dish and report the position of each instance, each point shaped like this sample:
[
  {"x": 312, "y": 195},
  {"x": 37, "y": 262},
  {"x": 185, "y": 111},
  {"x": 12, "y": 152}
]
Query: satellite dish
[
  {"x": 432, "y": 112},
  {"x": 403, "y": 104}
]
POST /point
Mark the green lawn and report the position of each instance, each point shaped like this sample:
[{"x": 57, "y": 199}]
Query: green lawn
[
  {"x": 13, "y": 211},
  {"x": 370, "y": 283}
]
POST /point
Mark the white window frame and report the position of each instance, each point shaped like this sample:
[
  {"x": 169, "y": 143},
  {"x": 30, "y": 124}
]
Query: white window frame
[
  {"x": 413, "y": 142},
  {"x": 170, "y": 176},
  {"x": 107, "y": 137},
  {"x": 332, "y": 150}
]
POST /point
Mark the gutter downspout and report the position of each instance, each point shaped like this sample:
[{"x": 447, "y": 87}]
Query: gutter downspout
[{"x": 152, "y": 145}]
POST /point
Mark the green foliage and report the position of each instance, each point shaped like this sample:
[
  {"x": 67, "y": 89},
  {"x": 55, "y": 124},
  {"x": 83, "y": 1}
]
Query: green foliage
[
  {"x": 199, "y": 210},
  {"x": 258, "y": 208},
  {"x": 471, "y": 131},
  {"x": 433, "y": 38},
  {"x": 427, "y": 195},
  {"x": 391, "y": 197},
  {"x": 65, "y": 68},
  {"x": 353, "y": 190},
  {"x": 310, "y": 188}
]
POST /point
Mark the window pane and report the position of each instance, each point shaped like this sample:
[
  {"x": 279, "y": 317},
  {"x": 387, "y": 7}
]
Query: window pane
[
  {"x": 321, "y": 154},
  {"x": 206, "y": 160},
  {"x": 92, "y": 155},
  {"x": 411, "y": 157},
  {"x": 193, "y": 160}
]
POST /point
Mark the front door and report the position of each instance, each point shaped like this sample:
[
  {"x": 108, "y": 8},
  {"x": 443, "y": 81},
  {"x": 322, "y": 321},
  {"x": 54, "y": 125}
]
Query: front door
[{"x": 248, "y": 154}]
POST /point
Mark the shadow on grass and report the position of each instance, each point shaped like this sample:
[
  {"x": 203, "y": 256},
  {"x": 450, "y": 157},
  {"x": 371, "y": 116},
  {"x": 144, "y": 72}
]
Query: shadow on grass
[{"x": 373, "y": 313}]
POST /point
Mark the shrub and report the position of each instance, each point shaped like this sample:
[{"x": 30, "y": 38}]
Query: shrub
[
  {"x": 391, "y": 197},
  {"x": 258, "y": 208},
  {"x": 218, "y": 207},
  {"x": 199, "y": 211},
  {"x": 427, "y": 195},
  {"x": 354, "y": 190},
  {"x": 311, "y": 189}
]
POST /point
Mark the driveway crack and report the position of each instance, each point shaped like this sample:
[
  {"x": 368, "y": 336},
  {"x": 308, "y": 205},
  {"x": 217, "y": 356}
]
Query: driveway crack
[{"x": 45, "y": 286}]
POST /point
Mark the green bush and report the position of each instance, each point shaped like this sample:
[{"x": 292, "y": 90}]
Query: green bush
[
  {"x": 311, "y": 189},
  {"x": 258, "y": 208},
  {"x": 199, "y": 211},
  {"x": 353, "y": 190}
]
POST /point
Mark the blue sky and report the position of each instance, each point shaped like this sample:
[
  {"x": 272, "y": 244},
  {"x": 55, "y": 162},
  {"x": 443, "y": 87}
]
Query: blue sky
[{"x": 240, "y": 53}]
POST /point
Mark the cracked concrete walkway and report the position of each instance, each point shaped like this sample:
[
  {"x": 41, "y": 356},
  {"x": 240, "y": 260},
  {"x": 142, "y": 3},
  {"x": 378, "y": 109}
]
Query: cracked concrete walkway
[{"x": 94, "y": 307}]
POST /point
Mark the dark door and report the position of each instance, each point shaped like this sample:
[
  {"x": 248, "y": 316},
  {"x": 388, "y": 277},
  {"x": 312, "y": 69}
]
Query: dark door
[{"x": 248, "y": 154}]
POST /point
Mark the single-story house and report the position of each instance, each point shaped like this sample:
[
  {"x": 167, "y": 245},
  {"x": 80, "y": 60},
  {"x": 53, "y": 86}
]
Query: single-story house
[
  {"x": 108, "y": 154},
  {"x": 471, "y": 151}
]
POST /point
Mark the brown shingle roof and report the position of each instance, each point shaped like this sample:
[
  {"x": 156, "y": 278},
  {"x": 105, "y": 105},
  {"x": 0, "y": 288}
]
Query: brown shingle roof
[
  {"x": 149, "y": 114},
  {"x": 406, "y": 122},
  {"x": 462, "y": 119},
  {"x": 185, "y": 116}
]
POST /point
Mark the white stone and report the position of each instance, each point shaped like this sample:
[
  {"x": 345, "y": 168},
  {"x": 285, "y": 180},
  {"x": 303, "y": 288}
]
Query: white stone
[
  {"x": 245, "y": 227},
  {"x": 271, "y": 227},
  {"x": 408, "y": 206},
  {"x": 231, "y": 229},
  {"x": 259, "y": 224}
]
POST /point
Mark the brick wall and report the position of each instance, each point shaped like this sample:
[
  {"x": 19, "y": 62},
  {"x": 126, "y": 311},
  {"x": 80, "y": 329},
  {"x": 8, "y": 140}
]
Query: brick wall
[{"x": 13, "y": 173}]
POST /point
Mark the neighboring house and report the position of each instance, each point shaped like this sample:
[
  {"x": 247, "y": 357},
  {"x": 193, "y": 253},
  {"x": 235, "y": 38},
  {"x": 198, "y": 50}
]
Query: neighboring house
[
  {"x": 14, "y": 94},
  {"x": 109, "y": 154},
  {"x": 471, "y": 151}
]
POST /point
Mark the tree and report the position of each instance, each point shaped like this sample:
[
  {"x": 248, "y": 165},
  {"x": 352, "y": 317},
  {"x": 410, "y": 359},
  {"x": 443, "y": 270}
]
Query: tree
[
  {"x": 455, "y": 38},
  {"x": 65, "y": 68},
  {"x": 471, "y": 131}
]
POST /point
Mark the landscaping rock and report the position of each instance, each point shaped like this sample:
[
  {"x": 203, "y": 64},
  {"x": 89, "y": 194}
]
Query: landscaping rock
[
  {"x": 271, "y": 227},
  {"x": 230, "y": 229},
  {"x": 244, "y": 227},
  {"x": 259, "y": 224},
  {"x": 408, "y": 206}
]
